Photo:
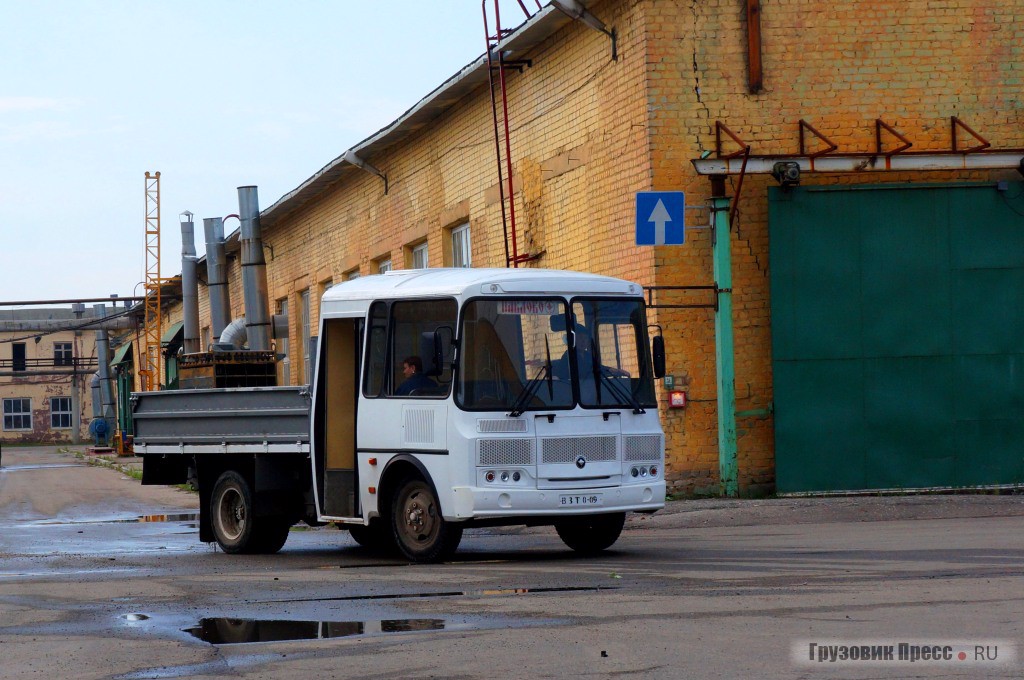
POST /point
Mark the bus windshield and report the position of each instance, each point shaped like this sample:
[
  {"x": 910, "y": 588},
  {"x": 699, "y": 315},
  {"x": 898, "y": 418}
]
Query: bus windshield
[
  {"x": 612, "y": 358},
  {"x": 512, "y": 355},
  {"x": 515, "y": 354}
]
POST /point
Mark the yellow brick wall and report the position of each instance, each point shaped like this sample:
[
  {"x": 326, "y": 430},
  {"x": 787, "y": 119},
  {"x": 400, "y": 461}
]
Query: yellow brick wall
[
  {"x": 839, "y": 65},
  {"x": 579, "y": 148},
  {"x": 588, "y": 133}
]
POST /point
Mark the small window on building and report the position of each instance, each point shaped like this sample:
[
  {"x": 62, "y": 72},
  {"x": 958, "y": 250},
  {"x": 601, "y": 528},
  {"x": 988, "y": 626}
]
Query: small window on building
[
  {"x": 17, "y": 414},
  {"x": 304, "y": 335},
  {"x": 462, "y": 255},
  {"x": 18, "y": 356},
  {"x": 352, "y": 274},
  {"x": 419, "y": 256},
  {"x": 63, "y": 354},
  {"x": 282, "y": 347},
  {"x": 60, "y": 413},
  {"x": 383, "y": 266}
]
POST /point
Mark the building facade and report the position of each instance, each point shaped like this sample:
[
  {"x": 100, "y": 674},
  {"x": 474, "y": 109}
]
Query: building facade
[
  {"x": 591, "y": 123},
  {"x": 45, "y": 379}
]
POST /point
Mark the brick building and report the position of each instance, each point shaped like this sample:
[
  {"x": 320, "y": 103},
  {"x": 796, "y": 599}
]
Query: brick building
[
  {"x": 588, "y": 132},
  {"x": 45, "y": 378}
]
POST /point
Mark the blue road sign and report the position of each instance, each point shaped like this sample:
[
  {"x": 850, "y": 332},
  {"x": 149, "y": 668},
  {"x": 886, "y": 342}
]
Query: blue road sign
[{"x": 659, "y": 218}]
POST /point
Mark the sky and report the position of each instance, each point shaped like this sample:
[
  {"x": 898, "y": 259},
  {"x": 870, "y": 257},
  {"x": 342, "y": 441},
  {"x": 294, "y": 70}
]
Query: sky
[{"x": 214, "y": 95}]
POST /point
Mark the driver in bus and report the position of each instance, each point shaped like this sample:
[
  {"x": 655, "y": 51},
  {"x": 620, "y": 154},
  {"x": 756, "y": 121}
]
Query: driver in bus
[{"x": 415, "y": 382}]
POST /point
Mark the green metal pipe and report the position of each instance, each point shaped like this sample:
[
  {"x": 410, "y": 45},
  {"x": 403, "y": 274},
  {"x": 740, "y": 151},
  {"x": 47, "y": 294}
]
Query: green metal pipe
[{"x": 725, "y": 363}]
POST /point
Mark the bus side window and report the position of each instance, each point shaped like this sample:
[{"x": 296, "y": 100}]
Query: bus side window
[
  {"x": 376, "y": 350},
  {"x": 409, "y": 321}
]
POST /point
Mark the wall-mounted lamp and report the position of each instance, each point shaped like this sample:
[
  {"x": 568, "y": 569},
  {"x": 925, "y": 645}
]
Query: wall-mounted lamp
[
  {"x": 575, "y": 10},
  {"x": 351, "y": 158},
  {"x": 786, "y": 173}
]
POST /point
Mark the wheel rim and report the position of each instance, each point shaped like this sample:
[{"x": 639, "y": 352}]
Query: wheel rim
[
  {"x": 419, "y": 521},
  {"x": 231, "y": 514}
]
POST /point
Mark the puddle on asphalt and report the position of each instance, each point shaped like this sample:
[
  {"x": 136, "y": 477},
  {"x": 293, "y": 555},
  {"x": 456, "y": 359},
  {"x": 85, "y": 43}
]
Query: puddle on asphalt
[
  {"x": 15, "y": 468},
  {"x": 226, "y": 631},
  {"x": 453, "y": 593},
  {"x": 173, "y": 517}
]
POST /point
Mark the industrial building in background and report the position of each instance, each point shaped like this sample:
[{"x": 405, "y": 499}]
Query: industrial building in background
[
  {"x": 843, "y": 312},
  {"x": 55, "y": 378}
]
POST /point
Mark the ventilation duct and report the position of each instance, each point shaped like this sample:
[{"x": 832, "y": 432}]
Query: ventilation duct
[
  {"x": 235, "y": 335},
  {"x": 106, "y": 386},
  {"x": 254, "y": 271},
  {"x": 189, "y": 285},
  {"x": 216, "y": 276}
]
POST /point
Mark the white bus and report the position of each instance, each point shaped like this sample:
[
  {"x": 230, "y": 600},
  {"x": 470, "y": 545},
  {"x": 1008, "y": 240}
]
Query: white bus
[
  {"x": 533, "y": 402},
  {"x": 452, "y": 398}
]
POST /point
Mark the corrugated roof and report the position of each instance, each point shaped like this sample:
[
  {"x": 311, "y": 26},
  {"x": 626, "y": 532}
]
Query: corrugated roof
[{"x": 122, "y": 354}]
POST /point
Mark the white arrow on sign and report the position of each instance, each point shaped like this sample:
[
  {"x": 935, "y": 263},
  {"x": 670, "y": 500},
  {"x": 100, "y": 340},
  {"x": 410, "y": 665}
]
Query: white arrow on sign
[{"x": 659, "y": 216}]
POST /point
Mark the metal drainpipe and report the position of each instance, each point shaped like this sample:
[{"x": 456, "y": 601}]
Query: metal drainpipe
[
  {"x": 725, "y": 362},
  {"x": 216, "y": 276},
  {"x": 189, "y": 286},
  {"x": 103, "y": 357},
  {"x": 76, "y": 380},
  {"x": 254, "y": 271}
]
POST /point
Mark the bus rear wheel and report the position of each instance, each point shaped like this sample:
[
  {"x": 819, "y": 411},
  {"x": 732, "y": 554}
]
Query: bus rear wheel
[
  {"x": 590, "y": 534},
  {"x": 234, "y": 521},
  {"x": 420, "y": 532}
]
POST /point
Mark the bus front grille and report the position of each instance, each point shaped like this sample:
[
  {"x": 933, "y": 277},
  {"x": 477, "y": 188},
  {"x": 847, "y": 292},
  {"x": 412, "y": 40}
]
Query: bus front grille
[
  {"x": 505, "y": 451},
  {"x": 554, "y": 450},
  {"x": 642, "y": 447}
]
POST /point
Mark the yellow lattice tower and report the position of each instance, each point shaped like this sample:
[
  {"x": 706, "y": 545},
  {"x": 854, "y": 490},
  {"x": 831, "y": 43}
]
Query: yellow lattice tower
[{"x": 150, "y": 371}]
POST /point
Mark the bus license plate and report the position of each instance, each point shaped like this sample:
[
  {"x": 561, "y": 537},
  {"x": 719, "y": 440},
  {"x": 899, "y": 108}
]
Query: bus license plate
[{"x": 567, "y": 500}]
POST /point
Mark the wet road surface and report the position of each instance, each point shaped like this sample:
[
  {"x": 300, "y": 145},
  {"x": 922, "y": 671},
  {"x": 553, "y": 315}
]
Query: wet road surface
[{"x": 103, "y": 578}]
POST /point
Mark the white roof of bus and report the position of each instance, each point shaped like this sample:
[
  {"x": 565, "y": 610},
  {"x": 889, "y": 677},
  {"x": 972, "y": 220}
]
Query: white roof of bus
[{"x": 471, "y": 282}]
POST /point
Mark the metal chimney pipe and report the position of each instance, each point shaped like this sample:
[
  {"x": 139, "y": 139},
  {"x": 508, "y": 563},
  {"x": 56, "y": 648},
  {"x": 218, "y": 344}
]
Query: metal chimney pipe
[
  {"x": 189, "y": 285},
  {"x": 254, "y": 271},
  {"x": 97, "y": 396},
  {"x": 217, "y": 277},
  {"x": 106, "y": 385}
]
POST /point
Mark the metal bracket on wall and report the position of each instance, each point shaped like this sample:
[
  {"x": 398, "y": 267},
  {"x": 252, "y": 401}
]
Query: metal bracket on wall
[
  {"x": 701, "y": 305},
  {"x": 744, "y": 151},
  {"x": 830, "y": 145},
  {"x": 882, "y": 125},
  {"x": 955, "y": 123}
]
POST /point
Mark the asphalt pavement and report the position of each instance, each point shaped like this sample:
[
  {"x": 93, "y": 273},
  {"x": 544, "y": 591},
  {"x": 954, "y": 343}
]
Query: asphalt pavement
[{"x": 101, "y": 577}]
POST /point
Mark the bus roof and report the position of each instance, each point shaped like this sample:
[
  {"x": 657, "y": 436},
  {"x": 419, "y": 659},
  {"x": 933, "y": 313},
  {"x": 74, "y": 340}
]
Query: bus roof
[{"x": 468, "y": 282}]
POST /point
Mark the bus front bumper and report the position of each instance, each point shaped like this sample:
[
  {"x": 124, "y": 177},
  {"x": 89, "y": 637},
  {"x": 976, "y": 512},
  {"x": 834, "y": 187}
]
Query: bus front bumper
[{"x": 477, "y": 503}]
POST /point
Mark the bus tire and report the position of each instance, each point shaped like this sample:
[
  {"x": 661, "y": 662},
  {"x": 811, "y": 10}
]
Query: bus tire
[
  {"x": 231, "y": 513},
  {"x": 235, "y": 525},
  {"x": 590, "y": 534},
  {"x": 419, "y": 531},
  {"x": 272, "y": 534}
]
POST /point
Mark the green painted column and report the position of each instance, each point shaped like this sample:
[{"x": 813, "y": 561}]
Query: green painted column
[{"x": 725, "y": 363}]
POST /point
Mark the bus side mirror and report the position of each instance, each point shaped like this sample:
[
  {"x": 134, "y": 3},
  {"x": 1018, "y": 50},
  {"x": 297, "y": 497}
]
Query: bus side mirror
[
  {"x": 658, "y": 350},
  {"x": 432, "y": 353}
]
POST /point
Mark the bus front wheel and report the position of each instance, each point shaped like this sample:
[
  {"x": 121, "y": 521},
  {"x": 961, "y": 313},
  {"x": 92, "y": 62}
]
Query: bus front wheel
[
  {"x": 419, "y": 530},
  {"x": 590, "y": 534}
]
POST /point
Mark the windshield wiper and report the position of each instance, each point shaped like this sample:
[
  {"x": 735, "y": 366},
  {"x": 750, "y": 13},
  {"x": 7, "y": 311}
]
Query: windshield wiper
[
  {"x": 530, "y": 390},
  {"x": 621, "y": 393}
]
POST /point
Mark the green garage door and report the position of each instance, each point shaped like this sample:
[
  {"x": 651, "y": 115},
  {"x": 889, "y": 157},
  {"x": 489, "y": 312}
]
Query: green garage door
[{"x": 898, "y": 336}]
